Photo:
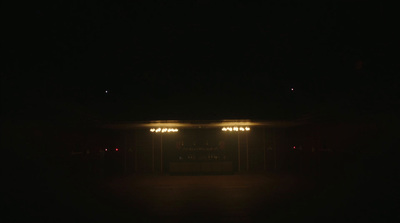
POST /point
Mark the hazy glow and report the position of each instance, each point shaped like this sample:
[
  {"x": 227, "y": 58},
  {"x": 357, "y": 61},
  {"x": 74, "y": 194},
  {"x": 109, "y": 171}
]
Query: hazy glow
[
  {"x": 116, "y": 149},
  {"x": 203, "y": 124},
  {"x": 106, "y": 150},
  {"x": 163, "y": 130},
  {"x": 235, "y": 129}
]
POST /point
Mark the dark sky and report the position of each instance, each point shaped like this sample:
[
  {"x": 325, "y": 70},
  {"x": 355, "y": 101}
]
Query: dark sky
[{"x": 197, "y": 60}]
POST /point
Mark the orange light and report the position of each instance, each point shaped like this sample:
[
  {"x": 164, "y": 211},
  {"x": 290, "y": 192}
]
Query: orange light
[
  {"x": 163, "y": 130},
  {"x": 235, "y": 129}
]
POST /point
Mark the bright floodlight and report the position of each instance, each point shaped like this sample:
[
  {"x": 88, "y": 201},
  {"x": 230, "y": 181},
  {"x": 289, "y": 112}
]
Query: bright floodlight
[
  {"x": 235, "y": 129},
  {"x": 163, "y": 130}
]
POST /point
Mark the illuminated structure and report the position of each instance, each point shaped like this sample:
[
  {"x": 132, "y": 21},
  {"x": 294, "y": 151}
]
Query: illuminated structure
[{"x": 187, "y": 147}]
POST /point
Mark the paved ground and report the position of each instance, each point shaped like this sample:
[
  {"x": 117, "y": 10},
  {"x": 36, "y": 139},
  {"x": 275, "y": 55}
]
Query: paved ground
[{"x": 222, "y": 198}]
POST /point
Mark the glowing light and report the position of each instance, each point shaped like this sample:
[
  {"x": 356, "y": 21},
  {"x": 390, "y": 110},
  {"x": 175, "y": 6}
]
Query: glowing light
[
  {"x": 292, "y": 89},
  {"x": 163, "y": 130},
  {"x": 235, "y": 129},
  {"x": 106, "y": 91},
  {"x": 106, "y": 150},
  {"x": 116, "y": 149},
  {"x": 294, "y": 147}
]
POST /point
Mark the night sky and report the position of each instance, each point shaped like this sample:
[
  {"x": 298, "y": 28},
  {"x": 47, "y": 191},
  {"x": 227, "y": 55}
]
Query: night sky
[{"x": 197, "y": 60}]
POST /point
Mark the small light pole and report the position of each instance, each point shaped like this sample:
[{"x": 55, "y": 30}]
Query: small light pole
[
  {"x": 239, "y": 129},
  {"x": 152, "y": 152},
  {"x": 161, "y": 130},
  {"x": 161, "y": 155},
  {"x": 238, "y": 152},
  {"x": 247, "y": 152}
]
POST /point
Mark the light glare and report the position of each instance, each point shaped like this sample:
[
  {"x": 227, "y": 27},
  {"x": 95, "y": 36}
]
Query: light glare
[
  {"x": 163, "y": 130},
  {"x": 235, "y": 129}
]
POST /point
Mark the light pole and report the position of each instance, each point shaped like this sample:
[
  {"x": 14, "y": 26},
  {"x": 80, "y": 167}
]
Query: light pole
[
  {"x": 161, "y": 155},
  {"x": 238, "y": 152},
  {"x": 152, "y": 152},
  {"x": 239, "y": 129},
  {"x": 160, "y": 130},
  {"x": 247, "y": 153}
]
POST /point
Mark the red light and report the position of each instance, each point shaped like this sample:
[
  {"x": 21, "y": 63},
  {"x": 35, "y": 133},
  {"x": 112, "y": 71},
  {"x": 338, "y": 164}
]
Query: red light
[
  {"x": 294, "y": 147},
  {"x": 116, "y": 149},
  {"x": 106, "y": 150}
]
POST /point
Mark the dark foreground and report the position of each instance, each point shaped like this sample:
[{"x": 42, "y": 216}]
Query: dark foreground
[{"x": 227, "y": 198}]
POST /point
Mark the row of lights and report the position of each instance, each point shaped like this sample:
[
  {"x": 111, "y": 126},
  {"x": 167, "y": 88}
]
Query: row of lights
[
  {"x": 163, "y": 130},
  {"x": 235, "y": 129},
  {"x": 225, "y": 129}
]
